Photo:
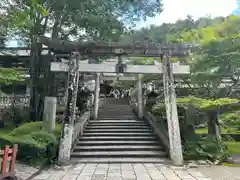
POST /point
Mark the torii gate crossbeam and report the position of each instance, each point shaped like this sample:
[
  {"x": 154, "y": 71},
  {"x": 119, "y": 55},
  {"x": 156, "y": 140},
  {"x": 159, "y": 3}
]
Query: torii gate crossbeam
[{"x": 130, "y": 69}]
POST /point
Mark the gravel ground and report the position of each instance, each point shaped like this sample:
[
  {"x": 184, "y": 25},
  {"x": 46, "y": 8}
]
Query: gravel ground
[{"x": 220, "y": 172}]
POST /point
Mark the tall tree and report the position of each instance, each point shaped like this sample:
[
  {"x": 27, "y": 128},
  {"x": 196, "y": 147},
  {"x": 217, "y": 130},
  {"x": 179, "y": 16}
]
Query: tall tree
[{"x": 71, "y": 19}]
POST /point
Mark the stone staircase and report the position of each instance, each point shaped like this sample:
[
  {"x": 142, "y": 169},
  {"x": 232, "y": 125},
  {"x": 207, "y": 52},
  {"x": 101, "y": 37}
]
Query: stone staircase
[{"x": 117, "y": 136}]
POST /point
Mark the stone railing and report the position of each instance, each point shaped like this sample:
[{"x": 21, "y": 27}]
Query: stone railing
[
  {"x": 157, "y": 125},
  {"x": 159, "y": 128},
  {"x": 79, "y": 126},
  {"x": 6, "y": 101},
  {"x": 9, "y": 100}
]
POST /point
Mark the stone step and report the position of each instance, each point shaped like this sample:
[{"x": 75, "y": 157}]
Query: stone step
[
  {"x": 117, "y": 134},
  {"x": 117, "y": 127},
  {"x": 116, "y": 124},
  {"x": 105, "y": 106},
  {"x": 108, "y": 104},
  {"x": 119, "y": 113},
  {"x": 114, "y": 154},
  {"x": 113, "y": 113},
  {"x": 131, "y": 147},
  {"x": 113, "y": 107},
  {"x": 118, "y": 142},
  {"x": 118, "y": 138},
  {"x": 117, "y": 130},
  {"x": 116, "y": 121},
  {"x": 116, "y": 110},
  {"x": 161, "y": 160},
  {"x": 117, "y": 117}
]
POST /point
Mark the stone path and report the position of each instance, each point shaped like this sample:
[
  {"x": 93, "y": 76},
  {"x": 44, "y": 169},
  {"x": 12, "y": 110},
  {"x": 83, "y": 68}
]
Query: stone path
[
  {"x": 120, "y": 172},
  {"x": 221, "y": 172},
  {"x": 23, "y": 171}
]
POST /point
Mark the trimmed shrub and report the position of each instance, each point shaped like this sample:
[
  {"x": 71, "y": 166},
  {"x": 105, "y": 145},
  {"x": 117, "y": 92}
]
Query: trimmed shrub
[
  {"x": 231, "y": 119},
  {"x": 29, "y": 150},
  {"x": 204, "y": 148},
  {"x": 47, "y": 140},
  {"x": 150, "y": 102},
  {"x": 28, "y": 128},
  {"x": 35, "y": 145}
]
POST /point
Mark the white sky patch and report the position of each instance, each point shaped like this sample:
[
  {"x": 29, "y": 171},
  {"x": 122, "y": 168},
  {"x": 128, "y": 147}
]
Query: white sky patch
[{"x": 179, "y": 9}]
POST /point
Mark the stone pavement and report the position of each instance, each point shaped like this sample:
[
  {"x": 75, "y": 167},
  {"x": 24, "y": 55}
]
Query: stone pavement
[
  {"x": 221, "y": 172},
  {"x": 120, "y": 172}
]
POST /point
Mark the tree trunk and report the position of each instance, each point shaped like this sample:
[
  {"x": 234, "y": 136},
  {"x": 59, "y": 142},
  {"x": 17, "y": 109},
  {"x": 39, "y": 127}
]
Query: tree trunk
[
  {"x": 213, "y": 125},
  {"x": 36, "y": 72}
]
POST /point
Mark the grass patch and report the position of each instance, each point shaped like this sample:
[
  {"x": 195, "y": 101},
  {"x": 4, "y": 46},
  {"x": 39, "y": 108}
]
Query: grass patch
[
  {"x": 233, "y": 147},
  {"x": 231, "y": 165},
  {"x": 201, "y": 131},
  {"x": 223, "y": 131}
]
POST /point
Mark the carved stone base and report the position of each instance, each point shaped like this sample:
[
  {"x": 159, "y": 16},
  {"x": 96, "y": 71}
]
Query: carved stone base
[{"x": 65, "y": 144}]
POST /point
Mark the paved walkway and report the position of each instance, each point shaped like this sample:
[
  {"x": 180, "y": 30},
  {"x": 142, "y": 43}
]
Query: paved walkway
[
  {"x": 119, "y": 172},
  {"x": 221, "y": 172}
]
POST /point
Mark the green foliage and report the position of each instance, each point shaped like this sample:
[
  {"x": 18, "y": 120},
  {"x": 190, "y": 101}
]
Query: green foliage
[
  {"x": 233, "y": 147},
  {"x": 29, "y": 150},
  {"x": 215, "y": 59},
  {"x": 14, "y": 115},
  {"x": 35, "y": 145},
  {"x": 54, "y": 17},
  {"x": 206, "y": 104},
  {"x": 158, "y": 108},
  {"x": 47, "y": 140},
  {"x": 204, "y": 148},
  {"x": 150, "y": 103},
  {"x": 231, "y": 119},
  {"x": 9, "y": 76},
  {"x": 198, "y": 103},
  {"x": 28, "y": 128}
]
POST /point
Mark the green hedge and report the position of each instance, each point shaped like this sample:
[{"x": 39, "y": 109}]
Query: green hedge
[
  {"x": 29, "y": 150},
  {"x": 33, "y": 127},
  {"x": 206, "y": 104},
  {"x": 204, "y": 148},
  {"x": 231, "y": 119},
  {"x": 35, "y": 145},
  {"x": 198, "y": 103}
]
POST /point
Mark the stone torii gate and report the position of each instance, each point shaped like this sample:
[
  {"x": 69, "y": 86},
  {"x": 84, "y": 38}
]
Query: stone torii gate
[{"x": 115, "y": 49}]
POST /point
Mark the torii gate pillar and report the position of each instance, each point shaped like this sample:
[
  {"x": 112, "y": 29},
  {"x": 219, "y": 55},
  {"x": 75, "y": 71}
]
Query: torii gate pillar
[
  {"x": 96, "y": 95},
  {"x": 171, "y": 112},
  {"x": 140, "y": 97}
]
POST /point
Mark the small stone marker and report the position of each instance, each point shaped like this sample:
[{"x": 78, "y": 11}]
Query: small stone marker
[{"x": 49, "y": 113}]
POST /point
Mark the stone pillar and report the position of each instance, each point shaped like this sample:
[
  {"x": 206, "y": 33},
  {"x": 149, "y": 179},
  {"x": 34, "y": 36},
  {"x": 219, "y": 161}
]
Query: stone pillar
[
  {"x": 28, "y": 89},
  {"x": 68, "y": 123},
  {"x": 49, "y": 113},
  {"x": 96, "y": 95},
  {"x": 171, "y": 112},
  {"x": 140, "y": 97}
]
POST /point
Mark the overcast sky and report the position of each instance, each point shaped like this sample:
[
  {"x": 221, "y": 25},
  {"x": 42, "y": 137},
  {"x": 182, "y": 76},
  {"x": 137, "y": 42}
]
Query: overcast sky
[{"x": 179, "y": 9}]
